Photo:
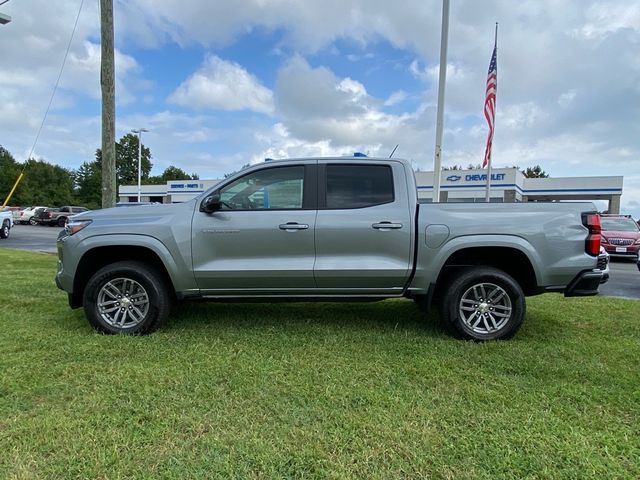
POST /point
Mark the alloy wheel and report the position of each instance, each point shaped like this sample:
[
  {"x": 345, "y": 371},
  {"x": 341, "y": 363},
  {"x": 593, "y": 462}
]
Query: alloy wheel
[{"x": 485, "y": 308}]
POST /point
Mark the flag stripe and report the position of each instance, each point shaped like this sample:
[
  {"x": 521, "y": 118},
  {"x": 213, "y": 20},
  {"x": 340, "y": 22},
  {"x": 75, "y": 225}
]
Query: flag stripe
[{"x": 490, "y": 103}]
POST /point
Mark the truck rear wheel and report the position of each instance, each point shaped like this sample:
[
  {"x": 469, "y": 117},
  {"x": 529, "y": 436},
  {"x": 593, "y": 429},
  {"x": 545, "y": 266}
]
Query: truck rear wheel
[
  {"x": 126, "y": 297},
  {"x": 483, "y": 303}
]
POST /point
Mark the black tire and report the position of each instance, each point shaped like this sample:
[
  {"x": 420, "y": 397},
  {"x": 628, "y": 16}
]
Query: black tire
[
  {"x": 153, "y": 284},
  {"x": 464, "y": 290},
  {"x": 62, "y": 221},
  {"x": 5, "y": 230},
  {"x": 32, "y": 221}
]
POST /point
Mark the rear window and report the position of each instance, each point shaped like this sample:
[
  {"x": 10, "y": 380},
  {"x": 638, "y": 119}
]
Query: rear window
[
  {"x": 358, "y": 186},
  {"x": 619, "y": 224}
]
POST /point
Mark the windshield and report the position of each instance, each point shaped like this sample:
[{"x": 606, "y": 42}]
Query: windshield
[{"x": 619, "y": 224}]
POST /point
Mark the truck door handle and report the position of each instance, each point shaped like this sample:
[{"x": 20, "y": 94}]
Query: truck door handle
[
  {"x": 291, "y": 226},
  {"x": 386, "y": 226}
]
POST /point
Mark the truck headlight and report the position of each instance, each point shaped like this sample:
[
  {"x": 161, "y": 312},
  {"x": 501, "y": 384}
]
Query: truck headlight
[{"x": 74, "y": 226}]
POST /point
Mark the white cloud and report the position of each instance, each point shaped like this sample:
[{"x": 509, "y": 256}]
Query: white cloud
[
  {"x": 339, "y": 111},
  {"x": 395, "y": 98},
  {"x": 605, "y": 18},
  {"x": 222, "y": 85}
]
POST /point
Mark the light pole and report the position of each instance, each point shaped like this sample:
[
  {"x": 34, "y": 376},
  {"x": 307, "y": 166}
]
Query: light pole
[{"x": 139, "y": 132}]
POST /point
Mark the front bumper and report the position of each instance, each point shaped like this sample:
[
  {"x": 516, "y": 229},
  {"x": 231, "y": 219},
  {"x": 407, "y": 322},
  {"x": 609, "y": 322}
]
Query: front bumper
[
  {"x": 630, "y": 251},
  {"x": 584, "y": 284}
]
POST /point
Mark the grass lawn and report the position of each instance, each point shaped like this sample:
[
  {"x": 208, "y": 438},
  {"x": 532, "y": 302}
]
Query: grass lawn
[{"x": 313, "y": 391}]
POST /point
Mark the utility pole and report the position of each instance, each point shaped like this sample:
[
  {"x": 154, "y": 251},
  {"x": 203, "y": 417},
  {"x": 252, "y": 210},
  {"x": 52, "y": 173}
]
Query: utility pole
[
  {"x": 444, "y": 42},
  {"x": 107, "y": 83}
]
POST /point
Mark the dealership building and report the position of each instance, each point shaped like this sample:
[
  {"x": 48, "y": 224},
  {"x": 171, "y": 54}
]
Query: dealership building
[{"x": 507, "y": 185}]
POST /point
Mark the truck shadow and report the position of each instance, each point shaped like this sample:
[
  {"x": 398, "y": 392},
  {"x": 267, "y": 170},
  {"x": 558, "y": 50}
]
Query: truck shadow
[{"x": 388, "y": 315}]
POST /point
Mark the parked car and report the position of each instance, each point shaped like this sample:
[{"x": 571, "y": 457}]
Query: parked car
[
  {"x": 58, "y": 216},
  {"x": 6, "y": 223},
  {"x": 27, "y": 214},
  {"x": 620, "y": 236},
  {"x": 328, "y": 229},
  {"x": 15, "y": 212}
]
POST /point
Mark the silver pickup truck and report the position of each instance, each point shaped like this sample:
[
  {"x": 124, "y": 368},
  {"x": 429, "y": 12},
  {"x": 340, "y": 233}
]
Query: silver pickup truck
[{"x": 327, "y": 229}]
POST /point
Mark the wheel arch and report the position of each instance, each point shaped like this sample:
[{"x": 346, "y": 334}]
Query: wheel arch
[
  {"x": 98, "y": 257},
  {"x": 509, "y": 259}
]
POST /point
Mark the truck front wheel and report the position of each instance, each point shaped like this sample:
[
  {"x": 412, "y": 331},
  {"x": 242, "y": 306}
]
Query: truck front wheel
[
  {"x": 126, "y": 297},
  {"x": 483, "y": 303},
  {"x": 5, "y": 230}
]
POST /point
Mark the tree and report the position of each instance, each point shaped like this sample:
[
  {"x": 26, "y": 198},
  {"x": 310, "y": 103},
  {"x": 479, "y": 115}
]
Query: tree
[
  {"x": 44, "y": 184},
  {"x": 88, "y": 183},
  {"x": 127, "y": 160},
  {"x": 172, "y": 173},
  {"x": 9, "y": 172},
  {"x": 535, "y": 172}
]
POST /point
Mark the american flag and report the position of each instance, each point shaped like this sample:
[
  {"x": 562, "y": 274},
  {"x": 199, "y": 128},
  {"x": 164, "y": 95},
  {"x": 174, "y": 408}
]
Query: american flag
[{"x": 490, "y": 103}]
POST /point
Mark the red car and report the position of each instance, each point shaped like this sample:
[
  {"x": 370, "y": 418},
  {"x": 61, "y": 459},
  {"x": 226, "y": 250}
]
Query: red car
[{"x": 620, "y": 236}]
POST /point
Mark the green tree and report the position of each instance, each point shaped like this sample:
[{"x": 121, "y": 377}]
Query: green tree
[
  {"x": 127, "y": 160},
  {"x": 9, "y": 171},
  {"x": 45, "y": 184},
  {"x": 88, "y": 184},
  {"x": 535, "y": 172},
  {"x": 172, "y": 173}
]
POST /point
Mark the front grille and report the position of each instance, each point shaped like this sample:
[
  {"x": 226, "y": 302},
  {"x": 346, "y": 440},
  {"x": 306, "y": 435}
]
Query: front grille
[
  {"x": 620, "y": 241},
  {"x": 602, "y": 263}
]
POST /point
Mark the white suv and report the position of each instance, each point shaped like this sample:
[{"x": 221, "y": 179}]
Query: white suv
[{"x": 26, "y": 215}]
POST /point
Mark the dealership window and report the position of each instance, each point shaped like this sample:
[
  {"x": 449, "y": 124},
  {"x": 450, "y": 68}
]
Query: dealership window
[
  {"x": 358, "y": 186},
  {"x": 133, "y": 199},
  {"x": 156, "y": 199}
]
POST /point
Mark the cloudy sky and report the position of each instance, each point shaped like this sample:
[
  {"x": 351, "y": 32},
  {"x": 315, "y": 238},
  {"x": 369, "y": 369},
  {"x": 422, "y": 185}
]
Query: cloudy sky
[{"x": 226, "y": 82}]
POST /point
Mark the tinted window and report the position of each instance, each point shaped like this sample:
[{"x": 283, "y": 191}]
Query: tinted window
[
  {"x": 271, "y": 188},
  {"x": 357, "y": 186}
]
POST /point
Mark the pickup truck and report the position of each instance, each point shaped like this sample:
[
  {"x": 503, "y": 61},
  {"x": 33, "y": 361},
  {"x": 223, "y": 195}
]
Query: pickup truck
[
  {"x": 57, "y": 216},
  {"x": 328, "y": 229},
  {"x": 6, "y": 223}
]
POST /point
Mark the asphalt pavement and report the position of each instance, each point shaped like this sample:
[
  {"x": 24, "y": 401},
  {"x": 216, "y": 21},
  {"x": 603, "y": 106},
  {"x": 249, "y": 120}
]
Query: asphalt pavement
[
  {"x": 624, "y": 278},
  {"x": 32, "y": 237}
]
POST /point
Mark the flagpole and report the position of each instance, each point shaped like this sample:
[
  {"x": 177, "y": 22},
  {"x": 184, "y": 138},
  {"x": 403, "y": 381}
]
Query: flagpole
[
  {"x": 487, "y": 197},
  {"x": 444, "y": 39}
]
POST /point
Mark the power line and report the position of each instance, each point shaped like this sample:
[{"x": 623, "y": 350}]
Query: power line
[{"x": 64, "y": 61}]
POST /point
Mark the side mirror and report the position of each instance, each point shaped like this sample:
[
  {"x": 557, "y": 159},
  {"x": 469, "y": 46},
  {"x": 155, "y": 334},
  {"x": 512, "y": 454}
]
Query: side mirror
[{"x": 211, "y": 203}]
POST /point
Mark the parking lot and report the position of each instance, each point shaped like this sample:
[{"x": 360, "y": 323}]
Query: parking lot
[
  {"x": 36, "y": 238},
  {"x": 624, "y": 280}
]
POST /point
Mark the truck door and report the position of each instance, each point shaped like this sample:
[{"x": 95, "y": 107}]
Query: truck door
[
  {"x": 363, "y": 227},
  {"x": 262, "y": 240}
]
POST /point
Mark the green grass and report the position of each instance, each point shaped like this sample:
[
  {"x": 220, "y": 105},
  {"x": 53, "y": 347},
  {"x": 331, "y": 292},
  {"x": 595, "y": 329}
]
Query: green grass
[{"x": 313, "y": 391}]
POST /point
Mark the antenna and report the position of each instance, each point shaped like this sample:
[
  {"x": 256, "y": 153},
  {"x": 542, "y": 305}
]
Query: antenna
[{"x": 394, "y": 150}]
